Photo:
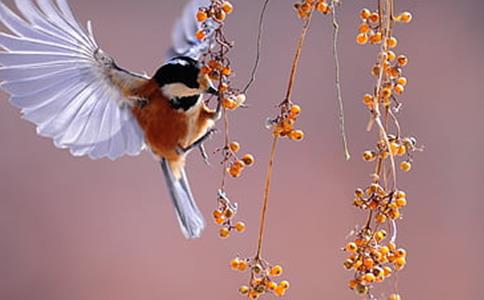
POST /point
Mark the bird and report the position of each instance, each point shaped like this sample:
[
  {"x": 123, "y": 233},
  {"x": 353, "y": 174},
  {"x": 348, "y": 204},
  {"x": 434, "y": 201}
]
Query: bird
[{"x": 77, "y": 94}]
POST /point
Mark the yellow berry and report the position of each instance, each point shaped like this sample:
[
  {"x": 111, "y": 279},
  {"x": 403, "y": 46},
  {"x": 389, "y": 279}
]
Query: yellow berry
[
  {"x": 391, "y": 55},
  {"x": 387, "y": 271},
  {"x": 399, "y": 89},
  {"x": 244, "y": 290},
  {"x": 227, "y": 7},
  {"x": 380, "y": 218},
  {"x": 224, "y": 233},
  {"x": 296, "y": 135},
  {"x": 240, "y": 227},
  {"x": 248, "y": 160},
  {"x": 405, "y": 166},
  {"x": 362, "y": 38},
  {"x": 234, "y": 146},
  {"x": 276, "y": 271},
  {"x": 369, "y": 155},
  {"x": 401, "y": 202}
]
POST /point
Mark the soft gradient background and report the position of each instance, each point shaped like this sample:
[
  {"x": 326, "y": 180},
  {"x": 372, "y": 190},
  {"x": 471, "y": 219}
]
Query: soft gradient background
[{"x": 72, "y": 228}]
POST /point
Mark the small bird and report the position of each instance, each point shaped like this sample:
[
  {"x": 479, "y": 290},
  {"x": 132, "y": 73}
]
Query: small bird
[{"x": 76, "y": 94}]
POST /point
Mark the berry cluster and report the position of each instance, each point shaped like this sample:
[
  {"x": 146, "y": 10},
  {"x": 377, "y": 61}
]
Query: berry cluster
[
  {"x": 237, "y": 165},
  {"x": 216, "y": 65},
  {"x": 262, "y": 275},
  {"x": 305, "y": 8},
  {"x": 283, "y": 124},
  {"x": 373, "y": 256},
  {"x": 224, "y": 216}
]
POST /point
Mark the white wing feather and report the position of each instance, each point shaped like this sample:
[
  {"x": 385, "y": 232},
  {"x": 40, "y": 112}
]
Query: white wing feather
[{"x": 62, "y": 82}]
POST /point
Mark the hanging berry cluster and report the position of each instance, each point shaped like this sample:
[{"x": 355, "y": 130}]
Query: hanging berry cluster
[
  {"x": 261, "y": 279},
  {"x": 304, "y": 8},
  {"x": 216, "y": 65},
  {"x": 373, "y": 254}
]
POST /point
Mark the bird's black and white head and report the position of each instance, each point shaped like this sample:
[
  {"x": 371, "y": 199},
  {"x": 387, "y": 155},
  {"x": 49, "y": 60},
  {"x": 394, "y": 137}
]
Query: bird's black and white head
[{"x": 182, "y": 81}]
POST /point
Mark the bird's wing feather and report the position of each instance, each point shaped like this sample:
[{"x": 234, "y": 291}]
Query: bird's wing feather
[
  {"x": 184, "y": 41},
  {"x": 62, "y": 82}
]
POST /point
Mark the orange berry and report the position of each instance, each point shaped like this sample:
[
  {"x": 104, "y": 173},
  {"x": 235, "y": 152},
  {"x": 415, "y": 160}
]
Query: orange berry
[
  {"x": 352, "y": 284},
  {"x": 376, "y": 38},
  {"x": 284, "y": 284},
  {"x": 234, "y": 264},
  {"x": 323, "y": 8},
  {"x": 365, "y": 13},
  {"x": 401, "y": 253},
  {"x": 243, "y": 265},
  {"x": 369, "y": 263},
  {"x": 271, "y": 285},
  {"x": 351, "y": 247},
  {"x": 399, "y": 89},
  {"x": 239, "y": 227},
  {"x": 229, "y": 103},
  {"x": 296, "y": 135},
  {"x": 374, "y": 18},
  {"x": 220, "y": 221},
  {"x": 400, "y": 194},
  {"x": 387, "y": 271},
  {"x": 394, "y": 297},
  {"x": 234, "y": 172},
  {"x": 227, "y": 7},
  {"x": 276, "y": 271},
  {"x": 248, "y": 160},
  {"x": 402, "y": 60},
  {"x": 362, "y": 38},
  {"x": 201, "y": 16},
  {"x": 402, "y": 81},
  {"x": 399, "y": 263},
  {"x": 368, "y": 99},
  {"x": 200, "y": 35},
  {"x": 217, "y": 214},
  {"x": 392, "y": 246},
  {"x": 279, "y": 291},
  {"x": 368, "y": 277},
  {"x": 220, "y": 15},
  {"x": 224, "y": 233},
  {"x": 294, "y": 111},
  {"x": 364, "y": 28},
  {"x": 392, "y": 42},
  {"x": 405, "y": 17},
  {"x": 234, "y": 146},
  {"x": 380, "y": 218},
  {"x": 253, "y": 294},
  {"x": 405, "y": 166},
  {"x": 227, "y": 71}
]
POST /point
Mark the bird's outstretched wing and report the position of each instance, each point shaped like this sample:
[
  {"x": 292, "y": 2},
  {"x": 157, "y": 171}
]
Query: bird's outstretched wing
[
  {"x": 61, "y": 80},
  {"x": 184, "y": 40}
]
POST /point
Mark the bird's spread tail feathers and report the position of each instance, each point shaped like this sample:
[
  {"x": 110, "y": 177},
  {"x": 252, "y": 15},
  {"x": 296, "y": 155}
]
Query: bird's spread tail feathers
[{"x": 189, "y": 216}]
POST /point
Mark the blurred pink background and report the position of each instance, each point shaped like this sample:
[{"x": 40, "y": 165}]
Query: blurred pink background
[{"x": 72, "y": 228}]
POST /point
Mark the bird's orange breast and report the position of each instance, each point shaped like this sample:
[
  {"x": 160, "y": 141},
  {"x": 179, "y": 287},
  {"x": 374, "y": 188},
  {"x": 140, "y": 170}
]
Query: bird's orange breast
[{"x": 163, "y": 126}]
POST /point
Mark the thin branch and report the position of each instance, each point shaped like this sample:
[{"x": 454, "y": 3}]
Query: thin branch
[
  {"x": 259, "y": 47},
  {"x": 338, "y": 81}
]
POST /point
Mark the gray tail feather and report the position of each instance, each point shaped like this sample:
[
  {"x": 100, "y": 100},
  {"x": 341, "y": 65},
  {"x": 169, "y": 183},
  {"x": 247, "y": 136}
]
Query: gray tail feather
[{"x": 189, "y": 216}]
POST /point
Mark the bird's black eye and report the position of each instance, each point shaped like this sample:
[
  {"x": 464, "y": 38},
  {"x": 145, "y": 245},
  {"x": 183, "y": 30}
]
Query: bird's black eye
[{"x": 179, "y": 70}]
